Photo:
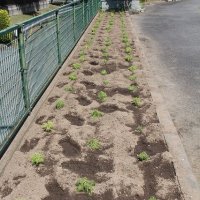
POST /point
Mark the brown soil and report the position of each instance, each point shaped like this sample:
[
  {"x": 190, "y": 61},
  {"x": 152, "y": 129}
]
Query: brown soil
[{"x": 114, "y": 167}]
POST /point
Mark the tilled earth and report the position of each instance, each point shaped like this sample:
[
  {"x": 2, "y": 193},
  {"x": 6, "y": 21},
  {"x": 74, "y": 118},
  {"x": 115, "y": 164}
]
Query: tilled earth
[{"x": 124, "y": 130}]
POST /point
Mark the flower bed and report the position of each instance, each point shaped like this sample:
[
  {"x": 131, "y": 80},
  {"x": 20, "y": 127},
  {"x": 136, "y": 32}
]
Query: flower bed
[{"x": 97, "y": 136}]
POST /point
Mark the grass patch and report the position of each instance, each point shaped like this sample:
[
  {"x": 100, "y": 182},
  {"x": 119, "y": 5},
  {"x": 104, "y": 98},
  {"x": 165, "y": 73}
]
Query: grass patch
[{"x": 94, "y": 144}]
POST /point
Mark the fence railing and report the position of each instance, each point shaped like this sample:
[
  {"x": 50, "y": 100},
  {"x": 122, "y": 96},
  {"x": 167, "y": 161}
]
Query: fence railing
[{"x": 30, "y": 55}]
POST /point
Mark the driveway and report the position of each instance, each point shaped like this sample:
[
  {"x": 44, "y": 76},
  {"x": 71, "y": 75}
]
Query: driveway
[{"x": 170, "y": 35}]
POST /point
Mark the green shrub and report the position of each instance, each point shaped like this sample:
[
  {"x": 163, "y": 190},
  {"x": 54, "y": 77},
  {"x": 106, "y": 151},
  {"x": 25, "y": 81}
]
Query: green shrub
[
  {"x": 94, "y": 144},
  {"x": 76, "y": 65},
  {"x": 96, "y": 113},
  {"x": 104, "y": 72},
  {"x": 137, "y": 101},
  {"x": 48, "y": 126},
  {"x": 102, "y": 96},
  {"x": 60, "y": 104},
  {"x": 5, "y": 23}
]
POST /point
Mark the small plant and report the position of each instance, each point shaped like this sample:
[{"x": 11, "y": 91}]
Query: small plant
[
  {"x": 76, "y": 65},
  {"x": 48, "y": 126},
  {"x": 94, "y": 144},
  {"x": 82, "y": 58},
  {"x": 152, "y": 198},
  {"x": 70, "y": 89},
  {"x": 37, "y": 159},
  {"x": 104, "y": 50},
  {"x": 125, "y": 40},
  {"x": 105, "y": 82},
  {"x": 139, "y": 129},
  {"x": 137, "y": 101},
  {"x": 128, "y": 58},
  {"x": 102, "y": 96},
  {"x": 5, "y": 23},
  {"x": 82, "y": 53},
  {"x": 128, "y": 50},
  {"x": 85, "y": 185},
  {"x": 73, "y": 76},
  {"x": 132, "y": 77},
  {"x": 132, "y": 88},
  {"x": 132, "y": 68},
  {"x": 104, "y": 72},
  {"x": 143, "y": 156},
  {"x": 106, "y": 55},
  {"x": 60, "y": 104},
  {"x": 96, "y": 113}
]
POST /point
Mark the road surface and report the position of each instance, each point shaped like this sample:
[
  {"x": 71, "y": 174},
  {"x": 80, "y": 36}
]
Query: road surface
[{"x": 170, "y": 35}]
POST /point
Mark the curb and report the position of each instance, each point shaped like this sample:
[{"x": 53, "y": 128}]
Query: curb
[
  {"x": 20, "y": 137},
  {"x": 187, "y": 181}
]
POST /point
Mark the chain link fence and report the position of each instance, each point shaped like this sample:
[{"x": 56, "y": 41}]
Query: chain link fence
[{"x": 30, "y": 55}]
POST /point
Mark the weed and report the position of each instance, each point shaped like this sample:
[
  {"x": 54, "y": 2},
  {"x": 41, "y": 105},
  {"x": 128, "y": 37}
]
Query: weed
[
  {"x": 108, "y": 42},
  {"x": 104, "y": 72},
  {"x": 104, "y": 50},
  {"x": 48, "y": 126},
  {"x": 105, "y": 82},
  {"x": 132, "y": 68},
  {"x": 76, "y": 65},
  {"x": 137, "y": 101},
  {"x": 82, "y": 58},
  {"x": 70, "y": 89},
  {"x": 85, "y": 185},
  {"x": 128, "y": 58},
  {"x": 139, "y": 129},
  {"x": 94, "y": 144},
  {"x": 82, "y": 53},
  {"x": 132, "y": 88},
  {"x": 143, "y": 156},
  {"x": 96, "y": 113},
  {"x": 152, "y": 198},
  {"x": 128, "y": 50},
  {"x": 102, "y": 96},
  {"x": 73, "y": 76},
  {"x": 132, "y": 77},
  {"x": 106, "y": 55},
  {"x": 60, "y": 104},
  {"x": 37, "y": 159},
  {"x": 125, "y": 40}
]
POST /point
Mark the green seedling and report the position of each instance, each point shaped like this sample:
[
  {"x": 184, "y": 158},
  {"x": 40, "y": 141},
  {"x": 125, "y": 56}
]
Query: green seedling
[
  {"x": 112, "y": 14},
  {"x": 152, "y": 198},
  {"x": 139, "y": 129},
  {"x": 106, "y": 56},
  {"x": 104, "y": 72},
  {"x": 105, "y": 82},
  {"x": 128, "y": 50},
  {"x": 37, "y": 159},
  {"x": 128, "y": 58},
  {"x": 143, "y": 156},
  {"x": 48, "y": 126},
  {"x": 96, "y": 113},
  {"x": 132, "y": 77},
  {"x": 132, "y": 88},
  {"x": 125, "y": 40},
  {"x": 76, "y": 66},
  {"x": 94, "y": 144},
  {"x": 70, "y": 89},
  {"x": 82, "y": 53},
  {"x": 104, "y": 50},
  {"x": 137, "y": 101},
  {"x": 82, "y": 58},
  {"x": 108, "y": 42},
  {"x": 85, "y": 185},
  {"x": 73, "y": 76},
  {"x": 60, "y": 104},
  {"x": 102, "y": 96},
  {"x": 132, "y": 68}
]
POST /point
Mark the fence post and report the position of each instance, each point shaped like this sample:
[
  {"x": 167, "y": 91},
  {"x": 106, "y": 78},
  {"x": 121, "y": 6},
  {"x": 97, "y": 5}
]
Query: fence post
[
  {"x": 58, "y": 36},
  {"x": 74, "y": 21},
  {"x": 24, "y": 68}
]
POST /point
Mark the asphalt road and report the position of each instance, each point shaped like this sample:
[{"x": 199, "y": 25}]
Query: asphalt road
[{"x": 170, "y": 35}]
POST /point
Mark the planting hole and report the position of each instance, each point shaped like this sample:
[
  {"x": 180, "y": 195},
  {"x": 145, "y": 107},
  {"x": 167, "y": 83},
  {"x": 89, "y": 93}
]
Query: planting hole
[
  {"x": 75, "y": 120},
  {"x": 28, "y": 145},
  {"x": 83, "y": 101},
  {"x": 87, "y": 72},
  {"x": 53, "y": 99}
]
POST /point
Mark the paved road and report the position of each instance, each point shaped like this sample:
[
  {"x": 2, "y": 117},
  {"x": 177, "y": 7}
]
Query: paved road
[{"x": 170, "y": 33}]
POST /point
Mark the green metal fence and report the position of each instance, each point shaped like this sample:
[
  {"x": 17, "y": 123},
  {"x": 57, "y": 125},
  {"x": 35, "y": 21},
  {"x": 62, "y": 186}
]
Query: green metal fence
[{"x": 30, "y": 55}]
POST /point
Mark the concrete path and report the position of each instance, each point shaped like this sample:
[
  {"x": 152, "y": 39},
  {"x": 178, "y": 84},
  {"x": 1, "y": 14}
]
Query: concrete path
[{"x": 170, "y": 34}]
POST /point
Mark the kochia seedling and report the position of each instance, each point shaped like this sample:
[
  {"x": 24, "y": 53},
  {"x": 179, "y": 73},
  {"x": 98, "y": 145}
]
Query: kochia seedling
[
  {"x": 85, "y": 185},
  {"x": 143, "y": 156},
  {"x": 37, "y": 159},
  {"x": 94, "y": 144},
  {"x": 48, "y": 126}
]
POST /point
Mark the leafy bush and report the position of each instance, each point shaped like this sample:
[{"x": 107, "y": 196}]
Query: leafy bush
[
  {"x": 85, "y": 185},
  {"x": 37, "y": 159},
  {"x": 5, "y": 23}
]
